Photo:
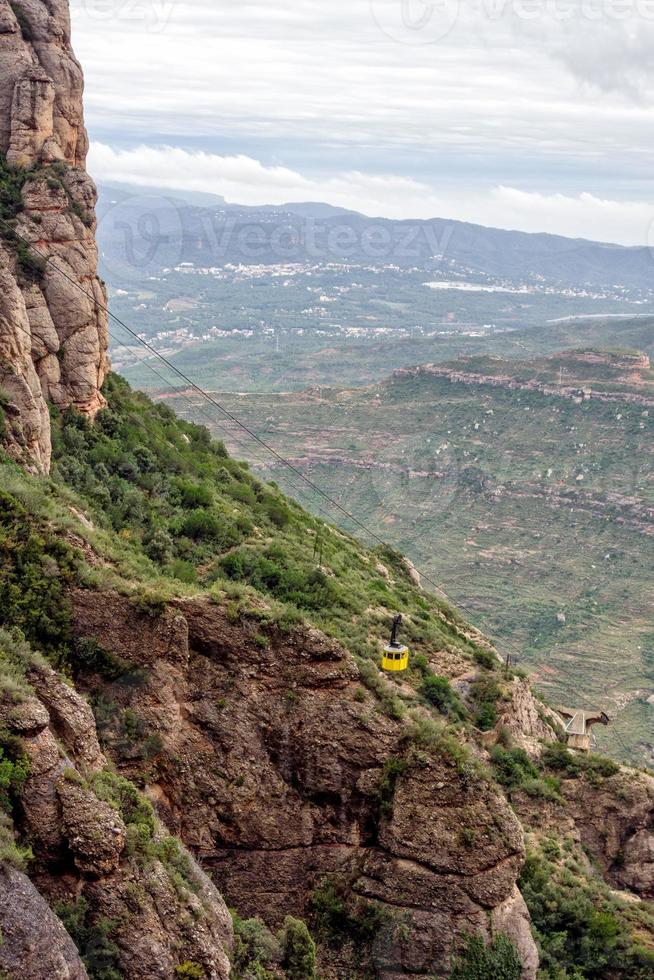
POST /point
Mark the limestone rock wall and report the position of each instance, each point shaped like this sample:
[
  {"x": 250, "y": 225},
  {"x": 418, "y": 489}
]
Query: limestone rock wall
[
  {"x": 53, "y": 335},
  {"x": 613, "y": 820},
  {"x": 83, "y": 851},
  {"x": 35, "y": 944},
  {"x": 271, "y": 767}
]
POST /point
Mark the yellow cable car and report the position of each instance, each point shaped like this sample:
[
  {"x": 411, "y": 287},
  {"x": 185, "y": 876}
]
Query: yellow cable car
[{"x": 395, "y": 656}]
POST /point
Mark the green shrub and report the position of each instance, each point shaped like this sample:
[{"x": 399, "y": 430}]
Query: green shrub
[
  {"x": 136, "y": 811},
  {"x": 545, "y": 788},
  {"x": 556, "y": 756},
  {"x": 600, "y": 766},
  {"x": 298, "y": 950},
  {"x": 184, "y": 571},
  {"x": 201, "y": 524},
  {"x": 579, "y": 924},
  {"x": 439, "y": 692},
  {"x": 486, "y": 692},
  {"x": 498, "y": 961},
  {"x": 420, "y": 663},
  {"x": 190, "y": 971},
  {"x": 275, "y": 572},
  {"x": 15, "y": 657},
  {"x": 241, "y": 492},
  {"x": 338, "y": 916},
  {"x": 596, "y": 767},
  {"x": 14, "y": 770},
  {"x": 513, "y": 767},
  {"x": 99, "y": 953},
  {"x": 486, "y": 659},
  {"x": 72, "y": 776},
  {"x": 89, "y": 657},
  {"x": 195, "y": 495},
  {"x": 275, "y": 510},
  {"x": 80, "y": 211},
  {"x": 10, "y": 851},
  {"x": 35, "y": 567},
  {"x": 255, "y": 948}
]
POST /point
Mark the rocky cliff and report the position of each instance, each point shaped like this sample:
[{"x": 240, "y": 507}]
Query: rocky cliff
[
  {"x": 97, "y": 854},
  {"x": 274, "y": 767},
  {"x": 53, "y": 326},
  {"x": 191, "y": 711},
  {"x": 398, "y": 818}
]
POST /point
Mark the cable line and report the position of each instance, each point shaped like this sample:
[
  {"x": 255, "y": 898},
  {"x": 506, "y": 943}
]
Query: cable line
[
  {"x": 242, "y": 426},
  {"x": 182, "y": 394},
  {"x": 228, "y": 415}
]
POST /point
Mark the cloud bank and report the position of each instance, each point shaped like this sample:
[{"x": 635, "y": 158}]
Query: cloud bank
[{"x": 244, "y": 180}]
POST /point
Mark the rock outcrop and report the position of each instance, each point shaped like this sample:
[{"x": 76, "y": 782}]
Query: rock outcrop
[
  {"x": 98, "y": 851},
  {"x": 34, "y": 944},
  {"x": 53, "y": 324},
  {"x": 281, "y": 773},
  {"x": 529, "y": 723},
  {"x": 612, "y": 818}
]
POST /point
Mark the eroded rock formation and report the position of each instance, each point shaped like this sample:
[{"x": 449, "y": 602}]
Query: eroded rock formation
[
  {"x": 614, "y": 822},
  {"x": 274, "y": 769},
  {"x": 28, "y": 952},
  {"x": 53, "y": 325},
  {"x": 163, "y": 909}
]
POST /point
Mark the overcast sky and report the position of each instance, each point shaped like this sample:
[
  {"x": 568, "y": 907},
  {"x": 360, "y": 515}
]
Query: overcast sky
[{"x": 530, "y": 114}]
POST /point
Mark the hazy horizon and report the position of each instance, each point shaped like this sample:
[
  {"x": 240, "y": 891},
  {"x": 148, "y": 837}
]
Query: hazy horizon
[{"x": 492, "y": 113}]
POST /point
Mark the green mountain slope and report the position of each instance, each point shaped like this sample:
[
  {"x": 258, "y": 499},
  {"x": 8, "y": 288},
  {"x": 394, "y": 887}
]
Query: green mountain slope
[
  {"x": 532, "y": 501},
  {"x": 145, "y": 515}
]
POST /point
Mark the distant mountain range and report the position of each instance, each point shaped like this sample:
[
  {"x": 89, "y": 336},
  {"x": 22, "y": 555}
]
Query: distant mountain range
[{"x": 157, "y": 229}]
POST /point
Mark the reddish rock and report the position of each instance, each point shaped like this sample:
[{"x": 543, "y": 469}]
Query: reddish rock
[{"x": 53, "y": 333}]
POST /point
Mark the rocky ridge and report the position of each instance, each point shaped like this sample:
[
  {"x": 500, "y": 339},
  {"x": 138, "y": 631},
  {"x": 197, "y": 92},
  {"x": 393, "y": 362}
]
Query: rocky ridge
[
  {"x": 88, "y": 853},
  {"x": 275, "y": 766},
  {"x": 53, "y": 324},
  {"x": 578, "y": 392}
]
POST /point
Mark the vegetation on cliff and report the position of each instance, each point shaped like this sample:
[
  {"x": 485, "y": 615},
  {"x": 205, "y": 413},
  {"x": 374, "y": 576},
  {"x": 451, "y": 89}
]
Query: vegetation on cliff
[
  {"x": 149, "y": 505},
  {"x": 185, "y": 515},
  {"x": 533, "y": 507},
  {"x": 584, "y": 929}
]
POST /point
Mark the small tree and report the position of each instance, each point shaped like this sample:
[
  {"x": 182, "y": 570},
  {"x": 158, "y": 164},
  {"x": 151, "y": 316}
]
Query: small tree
[{"x": 299, "y": 950}]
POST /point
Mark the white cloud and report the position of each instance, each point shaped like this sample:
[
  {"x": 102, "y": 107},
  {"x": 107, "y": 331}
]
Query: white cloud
[
  {"x": 324, "y": 74},
  {"x": 244, "y": 180},
  {"x": 583, "y": 216}
]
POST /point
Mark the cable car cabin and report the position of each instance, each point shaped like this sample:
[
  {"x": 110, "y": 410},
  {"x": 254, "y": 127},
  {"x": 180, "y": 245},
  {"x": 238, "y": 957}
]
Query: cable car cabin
[{"x": 395, "y": 656}]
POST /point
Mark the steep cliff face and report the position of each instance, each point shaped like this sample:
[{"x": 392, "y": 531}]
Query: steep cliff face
[
  {"x": 98, "y": 855},
  {"x": 53, "y": 327},
  {"x": 613, "y": 820},
  {"x": 278, "y": 769},
  {"x": 302, "y": 780}
]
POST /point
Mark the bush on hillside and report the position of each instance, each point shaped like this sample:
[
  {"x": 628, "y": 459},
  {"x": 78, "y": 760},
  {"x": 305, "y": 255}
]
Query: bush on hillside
[
  {"x": 440, "y": 693},
  {"x": 498, "y": 961},
  {"x": 299, "y": 950}
]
